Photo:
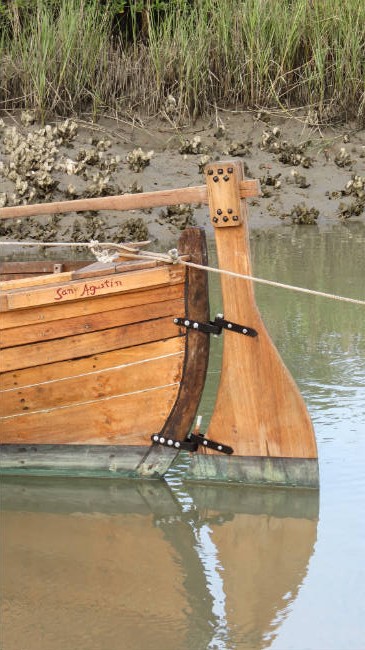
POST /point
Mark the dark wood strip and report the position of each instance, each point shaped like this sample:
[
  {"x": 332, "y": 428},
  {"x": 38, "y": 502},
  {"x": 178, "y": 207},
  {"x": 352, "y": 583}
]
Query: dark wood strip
[{"x": 181, "y": 418}]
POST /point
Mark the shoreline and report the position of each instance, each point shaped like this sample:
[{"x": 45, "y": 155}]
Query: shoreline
[{"x": 298, "y": 165}]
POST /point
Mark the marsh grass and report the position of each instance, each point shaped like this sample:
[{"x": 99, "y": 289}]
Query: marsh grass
[{"x": 65, "y": 57}]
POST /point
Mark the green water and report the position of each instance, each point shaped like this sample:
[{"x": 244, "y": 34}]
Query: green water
[{"x": 147, "y": 565}]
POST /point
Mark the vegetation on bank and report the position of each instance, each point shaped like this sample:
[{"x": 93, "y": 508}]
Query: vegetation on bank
[{"x": 183, "y": 58}]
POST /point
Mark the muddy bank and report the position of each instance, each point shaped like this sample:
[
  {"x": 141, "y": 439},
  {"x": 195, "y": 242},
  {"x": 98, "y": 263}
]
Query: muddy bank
[{"x": 309, "y": 175}]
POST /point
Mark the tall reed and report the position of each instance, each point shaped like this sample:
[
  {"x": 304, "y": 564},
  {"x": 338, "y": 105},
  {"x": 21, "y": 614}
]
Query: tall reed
[{"x": 66, "y": 57}]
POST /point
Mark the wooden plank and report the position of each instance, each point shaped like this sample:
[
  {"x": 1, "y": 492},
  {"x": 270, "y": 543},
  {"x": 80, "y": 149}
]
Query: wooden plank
[
  {"x": 76, "y": 290},
  {"x": 122, "y": 419},
  {"x": 259, "y": 410},
  {"x": 49, "y": 313},
  {"x": 197, "y": 343},
  {"x": 91, "y": 323},
  {"x": 25, "y": 356},
  {"x": 44, "y": 266},
  {"x": 89, "y": 388},
  {"x": 125, "y": 201},
  {"x": 94, "y": 270},
  {"x": 42, "y": 374},
  {"x": 37, "y": 281}
]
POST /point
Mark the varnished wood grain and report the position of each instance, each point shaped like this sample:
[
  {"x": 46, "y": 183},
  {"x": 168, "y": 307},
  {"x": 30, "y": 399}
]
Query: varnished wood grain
[
  {"x": 91, "y": 323},
  {"x": 197, "y": 343},
  {"x": 89, "y": 388},
  {"x": 259, "y": 410},
  {"x": 123, "y": 202},
  {"x": 25, "y": 356},
  {"x": 81, "y": 290},
  {"x": 45, "y": 373},
  {"x": 49, "y": 313},
  {"x": 122, "y": 419}
]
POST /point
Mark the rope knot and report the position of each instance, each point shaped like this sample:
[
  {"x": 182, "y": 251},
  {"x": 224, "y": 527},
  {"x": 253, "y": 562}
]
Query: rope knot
[{"x": 174, "y": 255}]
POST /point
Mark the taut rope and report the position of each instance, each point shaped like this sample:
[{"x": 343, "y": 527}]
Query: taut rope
[{"x": 100, "y": 250}]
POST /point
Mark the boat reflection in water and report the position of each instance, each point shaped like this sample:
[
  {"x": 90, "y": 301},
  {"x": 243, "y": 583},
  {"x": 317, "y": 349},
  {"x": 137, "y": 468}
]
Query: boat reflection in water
[{"x": 114, "y": 565}]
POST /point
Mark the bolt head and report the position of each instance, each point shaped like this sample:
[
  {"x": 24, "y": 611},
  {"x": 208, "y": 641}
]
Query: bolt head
[
  {"x": 215, "y": 179},
  {"x": 244, "y": 331},
  {"x": 205, "y": 442},
  {"x": 186, "y": 323},
  {"x": 170, "y": 442},
  {"x": 219, "y": 447},
  {"x": 162, "y": 440},
  {"x": 229, "y": 326},
  {"x": 155, "y": 438},
  {"x": 196, "y": 326},
  {"x": 177, "y": 444}
]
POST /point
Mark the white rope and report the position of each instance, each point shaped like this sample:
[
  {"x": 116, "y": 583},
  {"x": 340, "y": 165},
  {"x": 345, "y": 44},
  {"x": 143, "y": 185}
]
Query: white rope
[
  {"x": 173, "y": 258},
  {"x": 272, "y": 283}
]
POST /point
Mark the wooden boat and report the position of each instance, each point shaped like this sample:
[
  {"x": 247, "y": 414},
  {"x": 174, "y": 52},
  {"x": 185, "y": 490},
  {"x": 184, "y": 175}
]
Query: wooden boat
[
  {"x": 103, "y": 366},
  {"x": 225, "y": 571}
]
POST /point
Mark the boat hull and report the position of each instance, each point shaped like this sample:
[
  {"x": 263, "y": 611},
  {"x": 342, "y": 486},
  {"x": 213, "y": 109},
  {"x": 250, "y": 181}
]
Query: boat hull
[{"x": 93, "y": 365}]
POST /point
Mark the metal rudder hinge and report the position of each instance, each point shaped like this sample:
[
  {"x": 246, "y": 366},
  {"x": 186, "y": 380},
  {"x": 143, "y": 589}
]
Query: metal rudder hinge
[
  {"x": 192, "y": 442},
  {"x": 215, "y": 327}
]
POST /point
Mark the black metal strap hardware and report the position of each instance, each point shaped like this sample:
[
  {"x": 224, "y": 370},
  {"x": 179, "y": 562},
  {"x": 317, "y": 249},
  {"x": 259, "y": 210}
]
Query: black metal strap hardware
[
  {"x": 216, "y": 326},
  {"x": 191, "y": 443}
]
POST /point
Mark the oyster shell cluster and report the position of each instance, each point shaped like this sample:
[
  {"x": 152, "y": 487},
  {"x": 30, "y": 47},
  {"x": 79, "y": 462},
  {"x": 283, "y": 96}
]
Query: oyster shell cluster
[
  {"x": 301, "y": 214},
  {"x": 288, "y": 153},
  {"x": 179, "y": 216}
]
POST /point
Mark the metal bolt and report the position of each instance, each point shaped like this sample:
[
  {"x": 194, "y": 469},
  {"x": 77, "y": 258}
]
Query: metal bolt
[
  {"x": 155, "y": 438},
  {"x": 196, "y": 326},
  {"x": 219, "y": 447},
  {"x": 177, "y": 444},
  {"x": 186, "y": 323},
  {"x": 215, "y": 219},
  {"x": 219, "y": 211},
  {"x": 226, "y": 178},
  {"x": 210, "y": 172},
  {"x": 225, "y": 219},
  {"x": 230, "y": 170},
  {"x": 220, "y": 171},
  {"x": 229, "y": 326},
  {"x": 229, "y": 210},
  {"x": 215, "y": 179},
  {"x": 170, "y": 442},
  {"x": 176, "y": 320},
  {"x": 244, "y": 331},
  {"x": 162, "y": 440},
  {"x": 219, "y": 316},
  {"x": 205, "y": 442},
  {"x": 235, "y": 217}
]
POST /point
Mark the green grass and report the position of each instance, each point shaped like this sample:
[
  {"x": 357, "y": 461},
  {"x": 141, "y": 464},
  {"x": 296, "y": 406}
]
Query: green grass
[{"x": 65, "y": 57}]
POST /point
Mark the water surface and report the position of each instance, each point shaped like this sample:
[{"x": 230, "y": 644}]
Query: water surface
[{"x": 100, "y": 565}]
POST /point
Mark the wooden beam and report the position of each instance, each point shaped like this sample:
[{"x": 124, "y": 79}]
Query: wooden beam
[{"x": 124, "y": 202}]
